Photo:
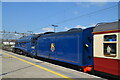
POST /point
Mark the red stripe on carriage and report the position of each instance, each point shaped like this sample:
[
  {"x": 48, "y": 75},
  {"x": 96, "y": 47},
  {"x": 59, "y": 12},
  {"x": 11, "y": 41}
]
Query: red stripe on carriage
[
  {"x": 103, "y": 32},
  {"x": 111, "y": 66}
]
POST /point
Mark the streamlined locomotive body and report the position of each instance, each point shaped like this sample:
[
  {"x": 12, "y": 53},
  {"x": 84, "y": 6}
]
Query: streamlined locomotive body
[{"x": 26, "y": 45}]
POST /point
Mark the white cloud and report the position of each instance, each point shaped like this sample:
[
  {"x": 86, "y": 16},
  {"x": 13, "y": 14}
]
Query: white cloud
[
  {"x": 47, "y": 29},
  {"x": 82, "y": 4},
  {"x": 103, "y": 0},
  {"x": 78, "y": 3},
  {"x": 66, "y": 28},
  {"x": 99, "y": 3},
  {"x": 38, "y": 33},
  {"x": 76, "y": 12},
  {"x": 91, "y": 3},
  {"x": 80, "y": 26},
  {"x": 98, "y": 0},
  {"x": 60, "y": 0},
  {"x": 92, "y": 25},
  {"x": 16, "y": 34}
]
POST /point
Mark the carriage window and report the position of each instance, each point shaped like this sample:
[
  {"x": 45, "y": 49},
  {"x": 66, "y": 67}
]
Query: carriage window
[
  {"x": 110, "y": 45},
  {"x": 110, "y": 49},
  {"x": 110, "y": 38}
]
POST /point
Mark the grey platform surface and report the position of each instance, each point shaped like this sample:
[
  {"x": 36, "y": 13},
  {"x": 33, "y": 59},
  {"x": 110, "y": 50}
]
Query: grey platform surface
[{"x": 14, "y": 68}]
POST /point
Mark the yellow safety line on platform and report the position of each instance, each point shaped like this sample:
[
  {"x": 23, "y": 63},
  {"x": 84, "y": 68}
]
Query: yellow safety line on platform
[{"x": 39, "y": 66}]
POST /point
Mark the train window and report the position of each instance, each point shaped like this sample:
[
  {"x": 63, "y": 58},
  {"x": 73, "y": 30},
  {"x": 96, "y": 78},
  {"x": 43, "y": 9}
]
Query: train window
[
  {"x": 110, "y": 38},
  {"x": 110, "y": 45},
  {"x": 110, "y": 49}
]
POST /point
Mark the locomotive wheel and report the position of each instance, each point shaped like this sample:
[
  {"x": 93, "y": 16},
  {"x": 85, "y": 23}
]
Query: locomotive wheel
[
  {"x": 25, "y": 53},
  {"x": 32, "y": 56},
  {"x": 21, "y": 52},
  {"x": 14, "y": 50},
  {"x": 92, "y": 71},
  {"x": 81, "y": 69},
  {"x": 17, "y": 51},
  {"x": 36, "y": 57}
]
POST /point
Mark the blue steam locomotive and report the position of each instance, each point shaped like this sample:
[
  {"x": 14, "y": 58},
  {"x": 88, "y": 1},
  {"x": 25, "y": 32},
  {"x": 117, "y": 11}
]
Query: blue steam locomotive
[{"x": 75, "y": 46}]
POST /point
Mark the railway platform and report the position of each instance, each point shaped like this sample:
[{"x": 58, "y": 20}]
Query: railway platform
[{"x": 16, "y": 66}]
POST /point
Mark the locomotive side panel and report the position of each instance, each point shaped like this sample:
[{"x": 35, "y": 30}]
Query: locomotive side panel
[
  {"x": 62, "y": 47},
  {"x": 43, "y": 47},
  {"x": 69, "y": 48}
]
